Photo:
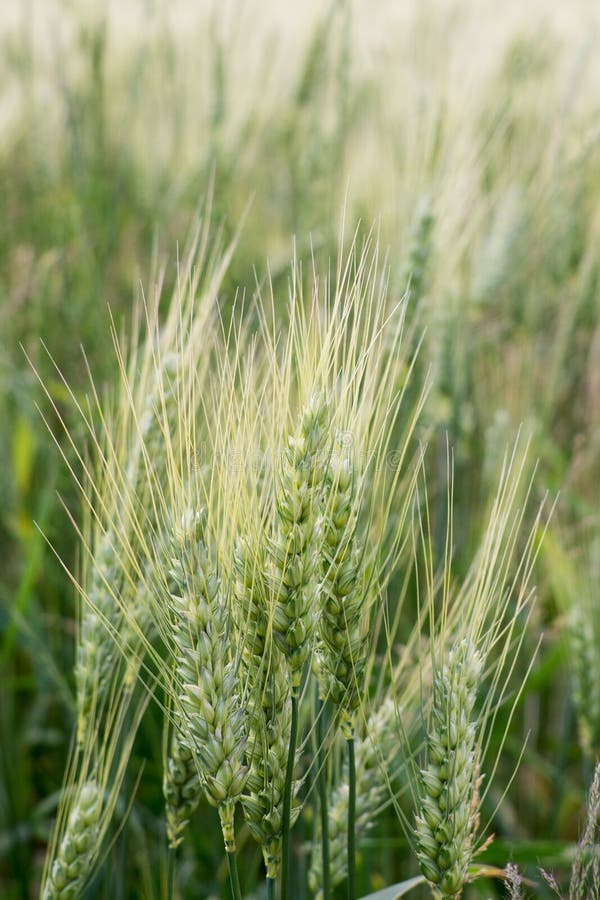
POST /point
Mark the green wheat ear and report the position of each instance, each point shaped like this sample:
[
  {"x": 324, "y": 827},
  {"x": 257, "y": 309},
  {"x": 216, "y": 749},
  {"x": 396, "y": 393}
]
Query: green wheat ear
[
  {"x": 343, "y": 606},
  {"x": 269, "y": 706},
  {"x": 445, "y": 823},
  {"x": 210, "y": 719},
  {"x": 92, "y": 790},
  {"x": 96, "y": 652},
  {"x": 420, "y": 250},
  {"x": 118, "y": 556},
  {"x": 585, "y": 871},
  {"x": 586, "y": 677},
  {"x": 78, "y": 847},
  {"x": 182, "y": 788},
  {"x": 270, "y": 719},
  {"x": 292, "y": 548}
]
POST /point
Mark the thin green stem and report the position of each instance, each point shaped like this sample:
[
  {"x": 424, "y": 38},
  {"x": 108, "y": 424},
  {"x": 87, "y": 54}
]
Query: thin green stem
[
  {"x": 351, "y": 820},
  {"x": 323, "y": 805},
  {"x": 271, "y": 885},
  {"x": 171, "y": 873},
  {"x": 287, "y": 802},
  {"x": 234, "y": 875}
]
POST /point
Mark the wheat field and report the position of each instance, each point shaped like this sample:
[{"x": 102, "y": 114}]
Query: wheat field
[{"x": 299, "y": 449}]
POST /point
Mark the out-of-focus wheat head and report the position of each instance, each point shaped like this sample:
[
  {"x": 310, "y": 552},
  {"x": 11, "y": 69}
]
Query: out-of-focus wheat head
[
  {"x": 585, "y": 871},
  {"x": 572, "y": 565}
]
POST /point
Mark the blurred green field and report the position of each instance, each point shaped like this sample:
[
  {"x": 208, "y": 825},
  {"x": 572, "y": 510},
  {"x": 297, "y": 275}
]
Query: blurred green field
[{"x": 468, "y": 136}]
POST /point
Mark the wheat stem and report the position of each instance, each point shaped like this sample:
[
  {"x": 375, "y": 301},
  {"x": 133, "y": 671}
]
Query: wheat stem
[
  {"x": 234, "y": 876},
  {"x": 287, "y": 800},
  {"x": 171, "y": 863},
  {"x": 379, "y": 744},
  {"x": 322, "y": 788},
  {"x": 351, "y": 819},
  {"x": 271, "y": 885}
]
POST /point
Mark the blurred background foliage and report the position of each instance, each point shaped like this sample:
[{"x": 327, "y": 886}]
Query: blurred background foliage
[{"x": 468, "y": 135}]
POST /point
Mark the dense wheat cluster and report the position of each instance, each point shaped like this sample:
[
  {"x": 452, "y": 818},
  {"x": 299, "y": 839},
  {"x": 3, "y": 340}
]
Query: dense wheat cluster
[{"x": 299, "y": 445}]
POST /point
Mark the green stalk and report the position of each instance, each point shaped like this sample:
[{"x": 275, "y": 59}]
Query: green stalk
[
  {"x": 351, "y": 820},
  {"x": 322, "y": 786},
  {"x": 271, "y": 884},
  {"x": 171, "y": 873},
  {"x": 234, "y": 875},
  {"x": 287, "y": 801}
]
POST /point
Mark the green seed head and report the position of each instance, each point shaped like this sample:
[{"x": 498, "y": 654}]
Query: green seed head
[
  {"x": 211, "y": 721},
  {"x": 78, "y": 847},
  {"x": 269, "y": 717},
  {"x": 444, "y": 827},
  {"x": 182, "y": 789},
  {"x": 343, "y": 605},
  {"x": 586, "y": 677},
  {"x": 293, "y": 572}
]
